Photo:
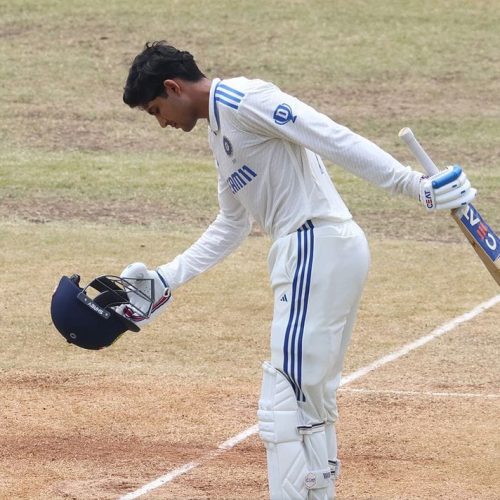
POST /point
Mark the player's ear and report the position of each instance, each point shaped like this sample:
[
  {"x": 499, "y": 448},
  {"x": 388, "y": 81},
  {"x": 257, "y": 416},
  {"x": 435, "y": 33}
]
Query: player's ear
[{"x": 171, "y": 86}]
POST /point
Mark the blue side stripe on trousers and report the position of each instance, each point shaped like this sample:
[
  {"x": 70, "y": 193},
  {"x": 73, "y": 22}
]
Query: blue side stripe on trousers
[
  {"x": 292, "y": 346},
  {"x": 306, "y": 302}
]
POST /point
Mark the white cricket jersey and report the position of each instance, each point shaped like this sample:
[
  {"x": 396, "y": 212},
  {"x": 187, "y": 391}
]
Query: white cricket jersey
[{"x": 267, "y": 147}]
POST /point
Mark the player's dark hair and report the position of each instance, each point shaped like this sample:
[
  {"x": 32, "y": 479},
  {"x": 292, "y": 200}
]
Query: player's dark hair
[{"x": 156, "y": 63}]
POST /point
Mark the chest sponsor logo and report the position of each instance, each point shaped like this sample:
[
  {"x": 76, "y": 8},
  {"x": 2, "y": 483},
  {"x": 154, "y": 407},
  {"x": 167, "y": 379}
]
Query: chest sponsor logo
[
  {"x": 240, "y": 178},
  {"x": 283, "y": 114}
]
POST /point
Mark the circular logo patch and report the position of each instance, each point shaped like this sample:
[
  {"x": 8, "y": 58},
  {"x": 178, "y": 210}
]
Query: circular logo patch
[
  {"x": 310, "y": 480},
  {"x": 228, "y": 147}
]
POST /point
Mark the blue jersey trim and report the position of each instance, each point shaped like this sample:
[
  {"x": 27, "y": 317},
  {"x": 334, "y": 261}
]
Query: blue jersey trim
[
  {"x": 230, "y": 89},
  {"x": 216, "y": 111},
  {"x": 227, "y": 103},
  {"x": 220, "y": 93},
  {"x": 162, "y": 279},
  {"x": 227, "y": 96}
]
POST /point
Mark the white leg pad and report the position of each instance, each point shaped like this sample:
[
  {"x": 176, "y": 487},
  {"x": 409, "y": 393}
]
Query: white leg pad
[
  {"x": 297, "y": 469},
  {"x": 318, "y": 479}
]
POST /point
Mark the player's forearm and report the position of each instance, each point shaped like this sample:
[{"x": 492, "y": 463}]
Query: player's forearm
[
  {"x": 368, "y": 161},
  {"x": 221, "y": 238},
  {"x": 355, "y": 153}
]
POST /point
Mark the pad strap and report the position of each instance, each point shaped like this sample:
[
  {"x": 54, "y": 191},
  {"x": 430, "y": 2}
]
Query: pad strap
[
  {"x": 311, "y": 429},
  {"x": 335, "y": 467}
]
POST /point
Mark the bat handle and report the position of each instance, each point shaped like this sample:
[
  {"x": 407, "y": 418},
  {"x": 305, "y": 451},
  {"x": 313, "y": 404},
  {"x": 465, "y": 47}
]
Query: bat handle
[
  {"x": 418, "y": 151},
  {"x": 424, "y": 159}
]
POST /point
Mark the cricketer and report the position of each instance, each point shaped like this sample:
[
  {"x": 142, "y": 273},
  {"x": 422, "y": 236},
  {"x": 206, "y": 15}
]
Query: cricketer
[{"x": 268, "y": 148}]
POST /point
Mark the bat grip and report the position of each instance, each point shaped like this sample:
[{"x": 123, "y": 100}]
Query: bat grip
[
  {"x": 418, "y": 151},
  {"x": 424, "y": 159}
]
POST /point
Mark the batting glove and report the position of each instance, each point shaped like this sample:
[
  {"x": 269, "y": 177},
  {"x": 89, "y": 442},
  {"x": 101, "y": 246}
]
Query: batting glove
[
  {"x": 446, "y": 190},
  {"x": 155, "y": 294}
]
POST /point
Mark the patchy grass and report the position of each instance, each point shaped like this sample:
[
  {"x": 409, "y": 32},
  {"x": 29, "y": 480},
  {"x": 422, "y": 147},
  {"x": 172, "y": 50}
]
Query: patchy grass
[
  {"x": 87, "y": 186},
  {"x": 67, "y": 138},
  {"x": 424, "y": 63}
]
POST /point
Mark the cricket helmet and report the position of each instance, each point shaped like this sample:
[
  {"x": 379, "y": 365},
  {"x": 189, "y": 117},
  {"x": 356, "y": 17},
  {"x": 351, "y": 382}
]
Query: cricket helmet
[{"x": 90, "y": 317}]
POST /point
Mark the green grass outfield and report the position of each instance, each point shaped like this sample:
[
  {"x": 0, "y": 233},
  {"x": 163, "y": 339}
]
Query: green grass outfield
[
  {"x": 375, "y": 66},
  {"x": 72, "y": 151}
]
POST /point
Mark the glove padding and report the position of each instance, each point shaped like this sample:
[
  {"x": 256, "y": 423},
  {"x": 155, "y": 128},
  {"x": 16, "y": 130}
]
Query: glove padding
[
  {"x": 446, "y": 190},
  {"x": 153, "y": 285}
]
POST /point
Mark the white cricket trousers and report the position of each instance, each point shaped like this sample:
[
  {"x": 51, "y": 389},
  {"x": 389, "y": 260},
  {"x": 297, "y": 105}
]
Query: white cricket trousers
[{"x": 317, "y": 275}]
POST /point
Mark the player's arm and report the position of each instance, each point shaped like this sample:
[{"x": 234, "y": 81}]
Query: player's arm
[
  {"x": 271, "y": 112},
  {"x": 229, "y": 229},
  {"x": 222, "y": 237}
]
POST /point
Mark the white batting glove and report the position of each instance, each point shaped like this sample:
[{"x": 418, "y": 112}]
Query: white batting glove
[
  {"x": 153, "y": 300},
  {"x": 446, "y": 190}
]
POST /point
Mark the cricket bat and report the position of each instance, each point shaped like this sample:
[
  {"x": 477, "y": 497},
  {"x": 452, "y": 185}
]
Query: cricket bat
[{"x": 480, "y": 235}]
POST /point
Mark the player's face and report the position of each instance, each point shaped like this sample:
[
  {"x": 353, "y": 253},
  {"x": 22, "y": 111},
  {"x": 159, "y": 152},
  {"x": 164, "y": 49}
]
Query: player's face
[{"x": 173, "y": 110}]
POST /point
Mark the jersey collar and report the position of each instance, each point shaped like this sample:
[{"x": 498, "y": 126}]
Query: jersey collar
[{"x": 213, "y": 113}]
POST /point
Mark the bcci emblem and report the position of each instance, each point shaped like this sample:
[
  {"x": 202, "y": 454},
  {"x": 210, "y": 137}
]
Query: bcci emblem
[
  {"x": 228, "y": 147},
  {"x": 283, "y": 114}
]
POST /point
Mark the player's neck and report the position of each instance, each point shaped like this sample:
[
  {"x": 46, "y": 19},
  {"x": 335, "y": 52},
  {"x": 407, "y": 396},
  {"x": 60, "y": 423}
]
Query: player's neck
[{"x": 200, "y": 95}]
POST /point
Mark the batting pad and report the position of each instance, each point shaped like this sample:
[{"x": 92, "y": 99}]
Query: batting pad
[{"x": 297, "y": 460}]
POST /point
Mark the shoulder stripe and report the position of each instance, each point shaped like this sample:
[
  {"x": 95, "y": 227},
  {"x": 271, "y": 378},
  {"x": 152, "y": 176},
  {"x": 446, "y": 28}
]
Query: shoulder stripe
[
  {"x": 227, "y": 103},
  {"x": 230, "y": 89},
  {"x": 220, "y": 93}
]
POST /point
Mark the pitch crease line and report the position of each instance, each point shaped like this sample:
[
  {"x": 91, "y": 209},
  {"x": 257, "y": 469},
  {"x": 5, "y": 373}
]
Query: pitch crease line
[
  {"x": 183, "y": 469},
  {"x": 402, "y": 351}
]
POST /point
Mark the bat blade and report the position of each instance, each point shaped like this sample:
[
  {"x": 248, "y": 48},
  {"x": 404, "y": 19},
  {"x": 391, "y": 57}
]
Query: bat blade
[
  {"x": 477, "y": 231},
  {"x": 482, "y": 238}
]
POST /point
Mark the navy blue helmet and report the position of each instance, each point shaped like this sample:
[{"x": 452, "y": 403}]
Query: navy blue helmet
[{"x": 88, "y": 317}]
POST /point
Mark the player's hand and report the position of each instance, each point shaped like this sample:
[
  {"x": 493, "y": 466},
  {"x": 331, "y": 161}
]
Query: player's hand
[
  {"x": 446, "y": 190},
  {"x": 156, "y": 294}
]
